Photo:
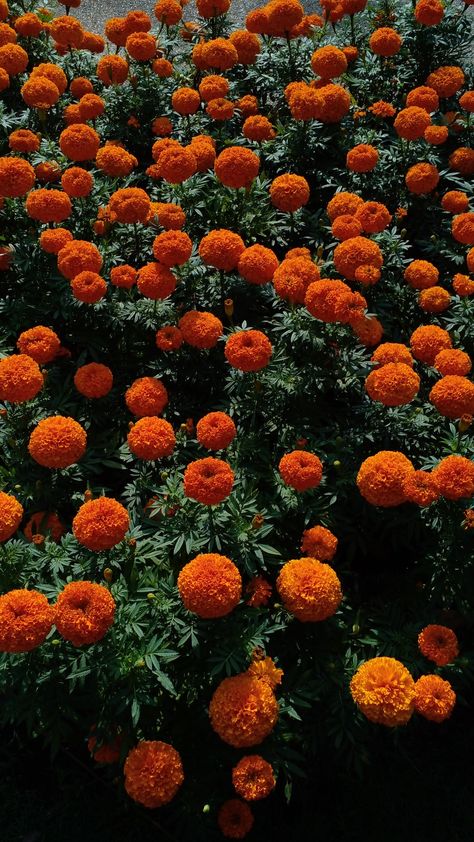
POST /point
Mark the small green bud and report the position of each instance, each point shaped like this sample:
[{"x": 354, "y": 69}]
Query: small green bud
[
  {"x": 55, "y": 641},
  {"x": 337, "y": 463},
  {"x": 150, "y": 596},
  {"x": 206, "y": 809},
  {"x": 140, "y": 663},
  {"x": 355, "y": 628}
]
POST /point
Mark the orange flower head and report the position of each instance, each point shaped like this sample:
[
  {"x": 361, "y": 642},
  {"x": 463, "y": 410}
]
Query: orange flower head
[
  {"x": 80, "y": 86},
  {"x": 248, "y": 105},
  {"x": 374, "y": 217},
  {"x": 153, "y": 773},
  {"x": 20, "y": 378},
  {"x": 247, "y": 45},
  {"x": 93, "y": 380},
  {"x": 248, "y": 350},
  {"x": 319, "y": 542},
  {"x": 100, "y": 524},
  {"x": 381, "y": 478},
  {"x": 328, "y": 62},
  {"x": 222, "y": 249},
  {"x": 112, "y": 70},
  {"x": 11, "y": 513},
  {"x": 462, "y": 228},
  {"x": 427, "y": 341},
  {"x": 257, "y": 264},
  {"x": 168, "y": 12},
  {"x": 48, "y": 205},
  {"x": 368, "y": 330},
  {"x": 45, "y": 524},
  {"x": 243, "y": 710},
  {"x": 439, "y": 644},
  {"x": 107, "y": 752},
  {"x": 235, "y": 819},
  {"x": 141, "y": 46},
  {"x": 151, "y": 438},
  {"x": 156, "y": 281},
  {"x": 79, "y": 142},
  {"x": 216, "y": 430},
  {"x": 170, "y": 216},
  {"x": 421, "y": 274},
  {"x": 13, "y": 59},
  {"x": 67, "y": 31},
  {"x": 301, "y": 470},
  {"x": 310, "y": 590},
  {"x": 115, "y": 161},
  {"x": 332, "y": 103},
  {"x": 22, "y": 140},
  {"x": 41, "y": 343},
  {"x": 289, "y": 192},
  {"x": 434, "y": 300},
  {"x": 208, "y": 481},
  {"x": 253, "y": 778},
  {"x": 355, "y": 252},
  {"x": 455, "y": 201},
  {"x": 323, "y": 297},
  {"x": 213, "y": 87},
  {"x": 344, "y": 227},
  {"x": 393, "y": 384},
  {"x": 362, "y": 158},
  {"x": 91, "y": 106},
  {"x": 422, "y": 178},
  {"x": 176, "y": 164},
  {"x": 343, "y": 203},
  {"x": 453, "y": 361},
  {"x": 446, "y": 80},
  {"x": 293, "y": 278},
  {"x": 52, "y": 72},
  {"x": 385, "y": 42},
  {"x": 384, "y": 691},
  {"x": 435, "y": 698},
  {"x": 436, "y": 135},
  {"x": 28, "y": 25},
  {"x": 463, "y": 285},
  {"x": 169, "y": 338},
  {"x": 26, "y": 619},
  {"x": 146, "y": 396},
  {"x": 455, "y": 477},
  {"x": 162, "y": 126},
  {"x": 420, "y": 487},
  {"x": 258, "y": 591},
  {"x": 258, "y": 128},
  {"x": 411, "y": 123},
  {"x": 210, "y": 586},
  {"x": 57, "y": 442},
  {"x": 130, "y": 204},
  {"x": 185, "y": 101},
  {"x": 88, "y": 287},
  {"x": 219, "y": 53},
  {"x": 237, "y": 167},
  {"x": 392, "y": 352},
  {"x": 172, "y": 248},
  {"x": 84, "y": 612},
  {"x": 77, "y": 182},
  {"x": 383, "y": 110}
]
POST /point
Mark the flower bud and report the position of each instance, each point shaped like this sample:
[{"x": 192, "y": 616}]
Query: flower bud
[
  {"x": 229, "y": 307},
  {"x": 464, "y": 423},
  {"x": 107, "y": 574},
  {"x": 257, "y": 521},
  {"x": 150, "y": 597}
]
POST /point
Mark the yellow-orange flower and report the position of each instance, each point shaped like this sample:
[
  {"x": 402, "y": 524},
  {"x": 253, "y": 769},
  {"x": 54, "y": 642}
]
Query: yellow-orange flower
[
  {"x": 455, "y": 477},
  {"x": 309, "y": 589},
  {"x": 210, "y": 585},
  {"x": 243, "y": 710},
  {"x": 146, "y": 396},
  {"x": 301, "y": 470},
  {"x": 381, "y": 478},
  {"x": 151, "y": 438},
  {"x": 393, "y": 384},
  {"x": 153, "y": 773},
  {"x": 439, "y": 644},
  {"x": 26, "y": 619},
  {"x": 253, "y": 778},
  {"x": 384, "y": 691},
  {"x": 200, "y": 329},
  {"x": 237, "y": 167},
  {"x": 57, "y": 442},
  {"x": 209, "y": 481},
  {"x": 11, "y": 513},
  {"x": 94, "y": 380},
  {"x": 40, "y": 343},
  {"x": 427, "y": 341},
  {"x": 289, "y": 192},
  {"x": 435, "y": 698},
  {"x": 319, "y": 542},
  {"x": 84, "y": 612},
  {"x": 100, "y": 524},
  {"x": 453, "y": 396},
  {"x": 20, "y": 378},
  {"x": 248, "y": 350},
  {"x": 216, "y": 430}
]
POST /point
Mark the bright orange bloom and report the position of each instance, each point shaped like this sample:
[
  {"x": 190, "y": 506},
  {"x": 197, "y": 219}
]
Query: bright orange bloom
[
  {"x": 151, "y": 438},
  {"x": 41, "y": 343},
  {"x": 156, "y": 281},
  {"x": 67, "y": 31},
  {"x": 422, "y": 178},
  {"x": 393, "y": 384},
  {"x": 392, "y": 352},
  {"x": 439, "y": 644},
  {"x": 216, "y": 430},
  {"x": 26, "y": 619},
  {"x": 115, "y": 161},
  {"x": 22, "y": 140},
  {"x": 222, "y": 249},
  {"x": 421, "y": 274},
  {"x": 247, "y": 45},
  {"x": 381, "y": 478},
  {"x": 385, "y": 41},
  {"x": 93, "y": 380},
  {"x": 420, "y": 487},
  {"x": 243, "y": 710},
  {"x": 446, "y": 80},
  {"x": 79, "y": 142},
  {"x": 146, "y": 396},
  {"x": 77, "y": 182},
  {"x": 210, "y": 585},
  {"x": 57, "y": 442},
  {"x": 328, "y": 62},
  {"x": 168, "y": 12},
  {"x": 153, "y": 773},
  {"x": 176, "y": 164},
  {"x": 455, "y": 201},
  {"x": 309, "y": 589},
  {"x": 411, "y": 122},
  {"x": 343, "y": 203},
  {"x": 455, "y": 477},
  {"x": 362, "y": 158},
  {"x": 435, "y": 698},
  {"x": 84, "y": 612},
  {"x": 462, "y": 228},
  {"x": 13, "y": 59},
  {"x": 257, "y": 264},
  {"x": 253, "y": 778},
  {"x": 88, "y": 287},
  {"x": 301, "y": 470},
  {"x": 131, "y": 205},
  {"x": 185, "y": 101},
  {"x": 453, "y": 361},
  {"x": 11, "y": 513},
  {"x": 289, "y": 192},
  {"x": 169, "y": 338},
  {"x": 293, "y": 278},
  {"x": 319, "y": 542},
  {"x": 112, "y": 70},
  {"x": 16, "y": 177},
  {"x": 80, "y": 86},
  {"x": 52, "y": 72},
  {"x": 172, "y": 248},
  {"x": 20, "y": 378},
  {"x": 209, "y": 481},
  {"x": 100, "y": 524},
  {"x": 248, "y": 350},
  {"x": 200, "y": 329},
  {"x": 237, "y": 167},
  {"x": 355, "y": 252},
  {"x": 141, "y": 46},
  {"x": 427, "y": 341},
  {"x": 384, "y": 691}
]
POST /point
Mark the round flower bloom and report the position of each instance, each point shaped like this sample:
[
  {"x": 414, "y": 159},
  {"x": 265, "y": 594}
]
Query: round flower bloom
[
  {"x": 168, "y": 12},
  {"x": 20, "y": 378},
  {"x": 410, "y": 123},
  {"x": 151, "y": 438},
  {"x": 123, "y": 276},
  {"x": 466, "y": 101},
  {"x": 115, "y": 161},
  {"x": 382, "y": 109},
  {"x": 374, "y": 217},
  {"x": 393, "y": 384},
  {"x": 332, "y": 103},
  {"x": 170, "y": 216},
  {"x": 235, "y": 819},
  {"x": 107, "y": 752},
  {"x": 57, "y": 442},
  {"x": 453, "y": 361},
  {"x": 146, "y": 396},
  {"x": 77, "y": 182},
  {"x": 319, "y": 542},
  {"x": 130, "y": 204},
  {"x": 243, "y": 710},
  {"x": 462, "y": 160},
  {"x": 436, "y": 134},
  {"x": 100, "y": 524},
  {"x": 455, "y": 477},
  {"x": 220, "y": 109},
  {"x": 328, "y": 62},
  {"x": 323, "y": 297},
  {"x": 84, "y": 612},
  {"x": 88, "y": 287},
  {"x": 384, "y": 691},
  {"x": 362, "y": 158},
  {"x": 185, "y": 101},
  {"x": 236, "y": 167},
  {"x": 209, "y": 481},
  {"x": 172, "y": 248},
  {"x": 435, "y": 698},
  {"x": 162, "y": 126},
  {"x": 301, "y": 470},
  {"x": 93, "y": 380},
  {"x": 79, "y": 142},
  {"x": 253, "y": 778},
  {"x": 248, "y": 105},
  {"x": 344, "y": 227},
  {"x": 429, "y": 12},
  {"x": 392, "y": 352},
  {"x": 423, "y": 97},
  {"x": 216, "y": 430},
  {"x": 48, "y": 205},
  {"x": 176, "y": 164},
  {"x": 13, "y": 59},
  {"x": 289, "y": 192},
  {"x": 26, "y": 619},
  {"x": 141, "y": 46},
  {"x": 210, "y": 585},
  {"x": 385, "y": 41},
  {"x": 455, "y": 201},
  {"x": 200, "y": 329},
  {"x": 446, "y": 80},
  {"x": 11, "y": 513},
  {"x": 463, "y": 285},
  {"x": 247, "y": 45},
  {"x": 219, "y": 53},
  {"x": 67, "y": 31},
  {"x": 257, "y": 264},
  {"x": 358, "y": 251},
  {"x": 7, "y": 34},
  {"x": 248, "y": 350},
  {"x": 293, "y": 278},
  {"x": 422, "y": 178},
  {"x": 420, "y": 487},
  {"x": 309, "y": 589},
  {"x": 368, "y": 330},
  {"x": 427, "y": 341},
  {"x": 439, "y": 644},
  {"x": 463, "y": 228},
  {"x": 91, "y": 106},
  {"x": 259, "y": 591},
  {"x": 434, "y": 300},
  {"x": 204, "y": 154},
  {"x": 112, "y": 70},
  {"x": 213, "y": 87},
  {"x": 22, "y": 140},
  {"x": 44, "y": 524},
  {"x": 41, "y": 343},
  {"x": 343, "y": 203},
  {"x": 153, "y": 773},
  {"x": 258, "y": 128},
  {"x": 4, "y": 79},
  {"x": 80, "y": 86},
  {"x": 16, "y": 177},
  {"x": 421, "y": 274},
  {"x": 381, "y": 477},
  {"x": 222, "y": 249},
  {"x": 169, "y": 338},
  {"x": 156, "y": 281}
]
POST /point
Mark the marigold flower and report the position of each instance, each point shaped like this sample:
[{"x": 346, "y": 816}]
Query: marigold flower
[
  {"x": 455, "y": 201},
  {"x": 436, "y": 135},
  {"x": 265, "y": 670},
  {"x": 344, "y": 227},
  {"x": 169, "y": 338},
  {"x": 422, "y": 178},
  {"x": 219, "y": 53},
  {"x": 410, "y": 123},
  {"x": 423, "y": 97},
  {"x": 84, "y": 612},
  {"x": 200, "y": 329},
  {"x": 107, "y": 752},
  {"x": 67, "y": 31},
  {"x": 20, "y": 378},
  {"x": 355, "y": 252},
  {"x": 439, "y": 644},
  {"x": 209, "y": 481},
  {"x": 80, "y": 86},
  {"x": 7, "y": 34},
  {"x": 393, "y": 384},
  {"x": 48, "y": 205},
  {"x": 185, "y": 101},
  {"x": 248, "y": 350},
  {"x": 88, "y": 287},
  {"x": 216, "y": 430},
  {"x": 453, "y": 361},
  {"x": 162, "y": 126},
  {"x": 362, "y": 158},
  {"x": 434, "y": 300},
  {"x": 319, "y": 542},
  {"x": 236, "y": 167},
  {"x": 421, "y": 274},
  {"x": 156, "y": 281},
  {"x": 168, "y": 12},
  {"x": 253, "y": 778},
  {"x": 172, "y": 248},
  {"x": 462, "y": 228},
  {"x": 77, "y": 182},
  {"x": 235, "y": 819},
  {"x": 130, "y": 204},
  {"x": 420, "y": 487},
  {"x": 328, "y": 62},
  {"x": 309, "y": 589},
  {"x": 258, "y": 592},
  {"x": 16, "y": 177},
  {"x": 100, "y": 524},
  {"x": 94, "y": 380},
  {"x": 26, "y": 618},
  {"x": 4, "y": 80},
  {"x": 289, "y": 192},
  {"x": 343, "y": 203},
  {"x": 435, "y": 698},
  {"x": 176, "y": 164},
  {"x": 11, "y": 513},
  {"x": 381, "y": 478},
  {"x": 384, "y": 691},
  {"x": 141, "y": 46},
  {"x": 151, "y": 438},
  {"x": 79, "y": 256},
  {"x": 115, "y": 161},
  {"x": 213, "y": 87},
  {"x": 146, "y": 396},
  {"x": 247, "y": 45},
  {"x": 392, "y": 352},
  {"x": 301, "y": 470},
  {"x": 446, "y": 80},
  {"x": 13, "y": 59},
  {"x": 22, "y": 140},
  {"x": 463, "y": 285},
  {"x": 429, "y": 12},
  {"x": 382, "y": 109},
  {"x": 222, "y": 249},
  {"x": 455, "y": 477},
  {"x": 323, "y": 297},
  {"x": 293, "y": 278},
  {"x": 427, "y": 341},
  {"x": 368, "y": 330},
  {"x": 248, "y": 105},
  {"x": 57, "y": 442},
  {"x": 210, "y": 585},
  {"x": 258, "y": 128},
  {"x": 170, "y": 216},
  {"x": 153, "y": 773},
  {"x": 112, "y": 70},
  {"x": 79, "y": 142},
  {"x": 41, "y": 343},
  {"x": 257, "y": 264},
  {"x": 46, "y": 524},
  {"x": 243, "y": 710}
]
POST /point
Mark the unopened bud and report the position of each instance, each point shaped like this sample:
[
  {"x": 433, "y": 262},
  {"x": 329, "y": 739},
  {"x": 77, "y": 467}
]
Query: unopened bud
[
  {"x": 337, "y": 463},
  {"x": 228, "y": 307},
  {"x": 206, "y": 809},
  {"x": 257, "y": 521},
  {"x": 87, "y": 495},
  {"x": 140, "y": 663},
  {"x": 150, "y": 596},
  {"x": 355, "y": 629},
  {"x": 464, "y": 423}
]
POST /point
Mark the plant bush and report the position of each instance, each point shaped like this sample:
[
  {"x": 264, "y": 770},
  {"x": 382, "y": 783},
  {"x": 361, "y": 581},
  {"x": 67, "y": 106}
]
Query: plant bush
[{"x": 236, "y": 421}]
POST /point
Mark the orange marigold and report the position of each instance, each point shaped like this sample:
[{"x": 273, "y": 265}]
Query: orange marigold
[
  {"x": 151, "y": 438},
  {"x": 219, "y": 53},
  {"x": 243, "y": 710},
  {"x": 141, "y": 46},
  {"x": 462, "y": 228},
  {"x": 236, "y": 167},
  {"x": 328, "y": 62},
  {"x": 156, "y": 281},
  {"x": 153, "y": 773},
  {"x": 222, "y": 249},
  {"x": 343, "y": 203},
  {"x": 209, "y": 481},
  {"x": 13, "y": 59},
  {"x": 57, "y": 442},
  {"x": 455, "y": 477},
  {"x": 115, "y": 161},
  {"x": 100, "y": 524},
  {"x": 253, "y": 778},
  {"x": 16, "y": 177},
  {"x": 248, "y": 350},
  {"x": 427, "y": 341},
  {"x": 455, "y": 201},
  {"x": 112, "y": 70},
  {"x": 172, "y": 248},
  {"x": 22, "y": 140},
  {"x": 374, "y": 217},
  {"x": 257, "y": 264},
  {"x": 216, "y": 430},
  {"x": 185, "y": 101},
  {"x": 247, "y": 45},
  {"x": 392, "y": 352},
  {"x": 410, "y": 123},
  {"x": 355, "y": 252},
  {"x": 362, "y": 158},
  {"x": 421, "y": 274},
  {"x": 381, "y": 478},
  {"x": 146, "y": 396},
  {"x": 77, "y": 182},
  {"x": 176, "y": 164},
  {"x": 420, "y": 487},
  {"x": 422, "y": 178},
  {"x": 88, "y": 287},
  {"x": 11, "y": 513},
  {"x": 169, "y": 338},
  {"x": 289, "y": 192},
  {"x": 393, "y": 384},
  {"x": 235, "y": 819},
  {"x": 41, "y": 343},
  {"x": 200, "y": 329},
  {"x": 435, "y": 698},
  {"x": 84, "y": 612},
  {"x": 210, "y": 585},
  {"x": 439, "y": 644},
  {"x": 385, "y": 41},
  {"x": 293, "y": 278},
  {"x": 453, "y": 361},
  {"x": 301, "y": 470},
  {"x": 423, "y": 97},
  {"x": 20, "y": 378},
  {"x": 94, "y": 380},
  {"x": 130, "y": 204},
  {"x": 26, "y": 619},
  {"x": 344, "y": 227},
  {"x": 48, "y": 205},
  {"x": 67, "y": 31},
  {"x": 79, "y": 142},
  {"x": 319, "y": 542},
  {"x": 436, "y": 135},
  {"x": 309, "y": 589},
  {"x": 446, "y": 80},
  {"x": 384, "y": 691},
  {"x": 213, "y": 87},
  {"x": 258, "y": 591}
]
